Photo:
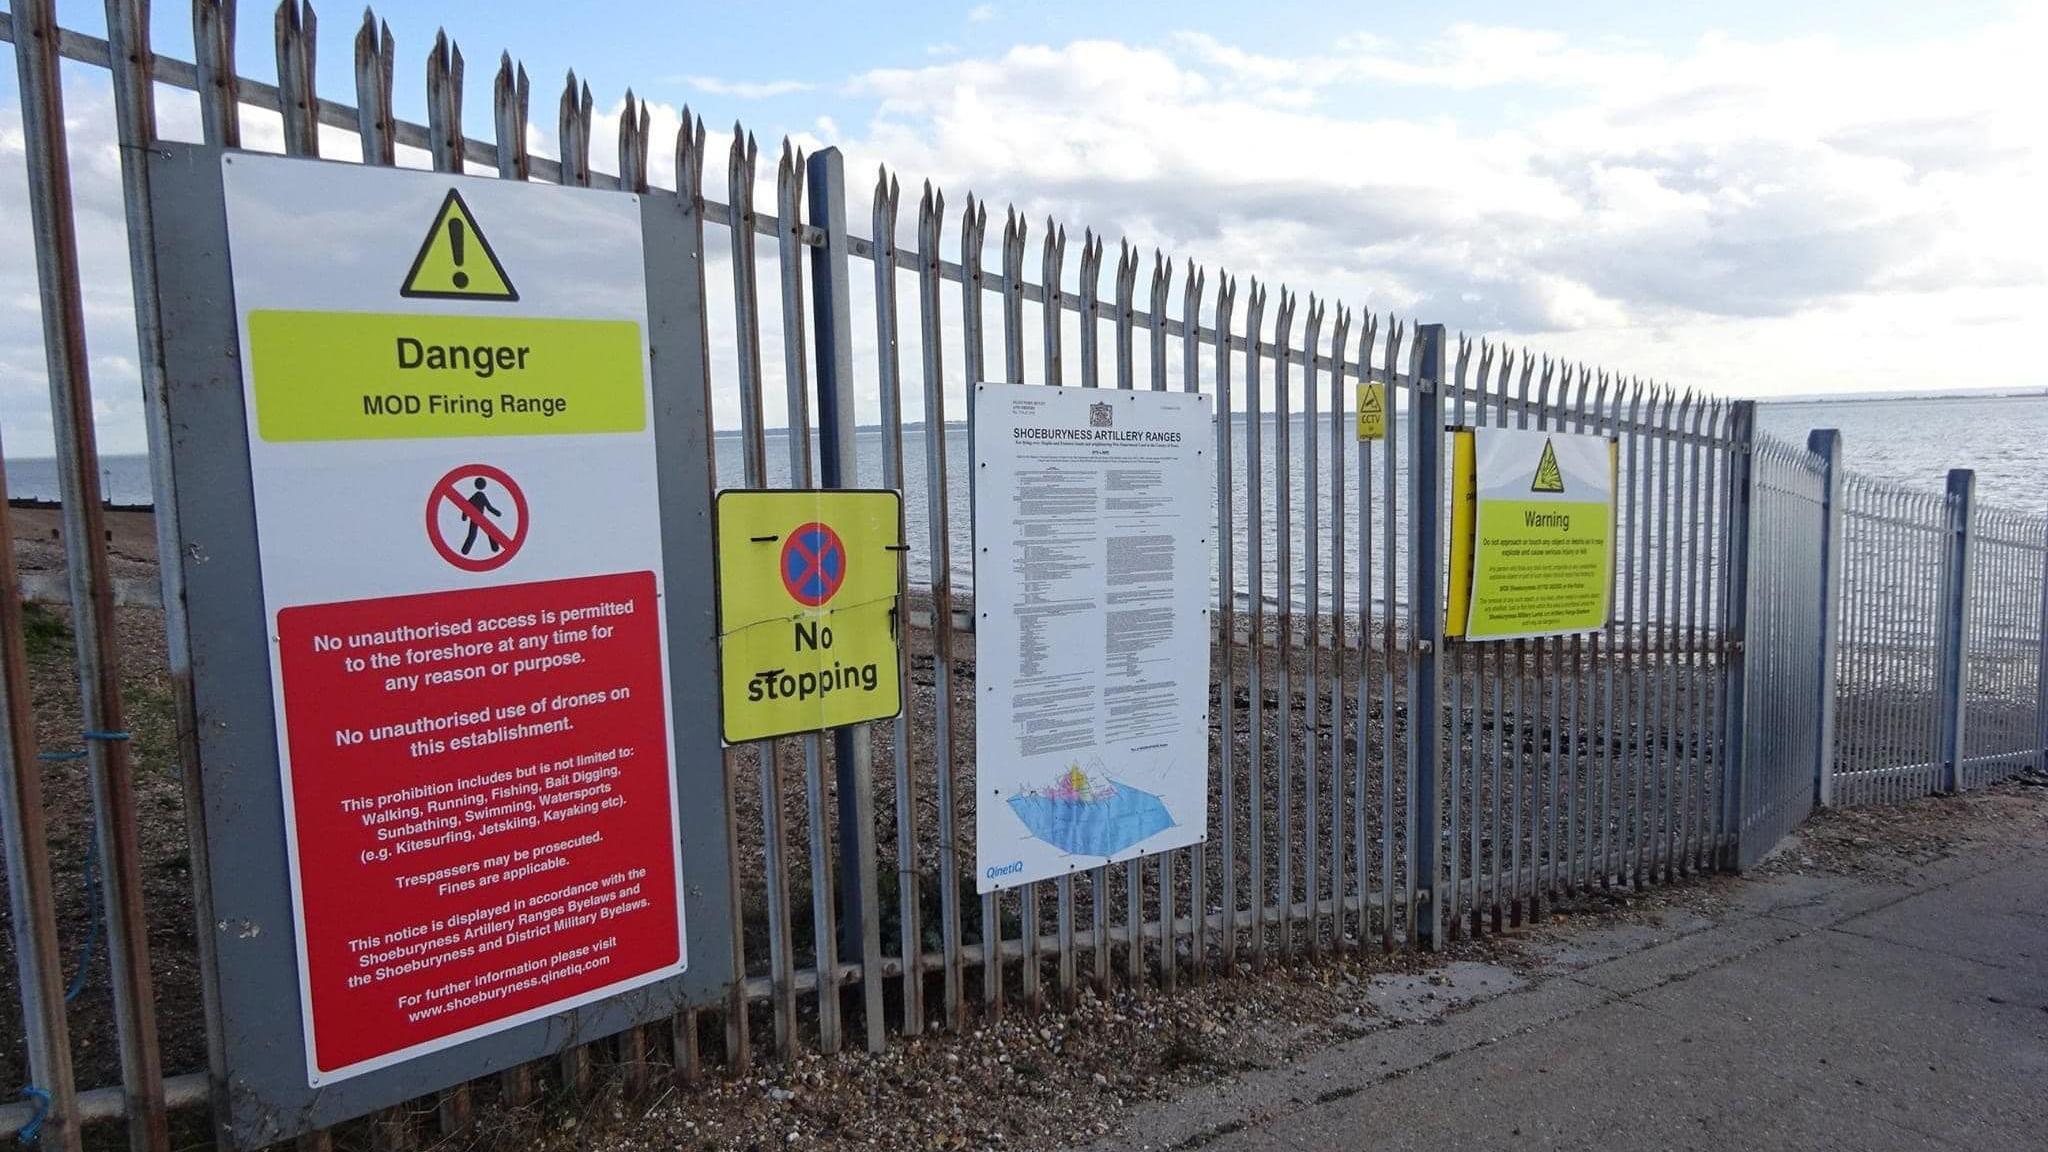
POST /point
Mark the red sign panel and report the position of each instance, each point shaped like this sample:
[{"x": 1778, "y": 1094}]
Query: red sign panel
[{"x": 481, "y": 807}]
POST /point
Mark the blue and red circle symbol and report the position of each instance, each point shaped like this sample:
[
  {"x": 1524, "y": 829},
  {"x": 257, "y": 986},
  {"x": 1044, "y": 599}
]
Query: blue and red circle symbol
[{"x": 813, "y": 564}]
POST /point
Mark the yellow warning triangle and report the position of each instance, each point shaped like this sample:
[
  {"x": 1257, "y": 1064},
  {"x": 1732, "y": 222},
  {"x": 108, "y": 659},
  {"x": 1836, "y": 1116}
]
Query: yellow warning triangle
[
  {"x": 1548, "y": 477},
  {"x": 1369, "y": 403},
  {"x": 456, "y": 261}
]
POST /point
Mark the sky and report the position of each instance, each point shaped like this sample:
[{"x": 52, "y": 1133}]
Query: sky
[{"x": 1755, "y": 199}]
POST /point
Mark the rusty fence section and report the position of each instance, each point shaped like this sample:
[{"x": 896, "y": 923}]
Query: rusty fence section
[{"x": 1373, "y": 785}]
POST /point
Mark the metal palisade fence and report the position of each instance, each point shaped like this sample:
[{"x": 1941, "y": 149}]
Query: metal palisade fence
[{"x": 1783, "y": 632}]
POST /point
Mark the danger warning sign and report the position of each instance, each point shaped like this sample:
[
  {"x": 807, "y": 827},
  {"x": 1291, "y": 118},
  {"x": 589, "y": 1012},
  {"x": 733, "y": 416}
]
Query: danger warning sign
[
  {"x": 1532, "y": 533},
  {"x": 475, "y": 729},
  {"x": 807, "y": 610},
  {"x": 1548, "y": 477},
  {"x": 456, "y": 261}
]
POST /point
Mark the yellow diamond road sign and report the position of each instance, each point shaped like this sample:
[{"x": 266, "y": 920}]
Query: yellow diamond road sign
[{"x": 807, "y": 610}]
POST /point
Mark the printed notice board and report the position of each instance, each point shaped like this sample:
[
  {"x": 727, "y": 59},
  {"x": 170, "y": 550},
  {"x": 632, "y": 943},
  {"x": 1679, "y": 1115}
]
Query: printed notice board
[
  {"x": 1532, "y": 534},
  {"x": 1092, "y": 519},
  {"x": 807, "y": 610},
  {"x": 447, "y": 394}
]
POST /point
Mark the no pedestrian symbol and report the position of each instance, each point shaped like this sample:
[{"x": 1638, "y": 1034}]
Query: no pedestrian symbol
[
  {"x": 476, "y": 517},
  {"x": 813, "y": 564}
]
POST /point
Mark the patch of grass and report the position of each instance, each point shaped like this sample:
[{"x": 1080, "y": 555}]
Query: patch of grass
[
  {"x": 45, "y": 632},
  {"x": 150, "y": 717}
]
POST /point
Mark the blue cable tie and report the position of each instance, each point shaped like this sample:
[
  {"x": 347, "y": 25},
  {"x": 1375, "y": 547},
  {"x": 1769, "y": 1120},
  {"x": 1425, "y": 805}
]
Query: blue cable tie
[
  {"x": 79, "y": 754},
  {"x": 92, "y": 934},
  {"x": 87, "y": 953},
  {"x": 34, "y": 1127}
]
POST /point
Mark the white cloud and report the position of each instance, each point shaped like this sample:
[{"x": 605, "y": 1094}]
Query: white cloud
[
  {"x": 1465, "y": 57},
  {"x": 746, "y": 89},
  {"x": 1674, "y": 214},
  {"x": 1783, "y": 217},
  {"x": 981, "y": 13}
]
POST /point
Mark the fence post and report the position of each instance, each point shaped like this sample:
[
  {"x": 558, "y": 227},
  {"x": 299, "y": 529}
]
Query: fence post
[
  {"x": 109, "y": 764},
  {"x": 1826, "y": 443},
  {"x": 2041, "y": 673},
  {"x": 25, "y": 854},
  {"x": 1955, "y": 624},
  {"x": 1425, "y": 621},
  {"x": 1741, "y": 475},
  {"x": 860, "y": 926}
]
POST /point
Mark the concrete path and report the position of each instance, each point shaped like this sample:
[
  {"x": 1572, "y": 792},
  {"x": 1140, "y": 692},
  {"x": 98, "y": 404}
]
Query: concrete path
[{"x": 1819, "y": 1012}]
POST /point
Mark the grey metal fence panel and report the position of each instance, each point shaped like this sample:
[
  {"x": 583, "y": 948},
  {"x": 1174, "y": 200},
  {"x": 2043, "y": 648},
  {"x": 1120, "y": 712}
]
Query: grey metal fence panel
[
  {"x": 2002, "y": 686},
  {"x": 1781, "y": 735},
  {"x": 1588, "y": 761},
  {"x": 1894, "y": 555}
]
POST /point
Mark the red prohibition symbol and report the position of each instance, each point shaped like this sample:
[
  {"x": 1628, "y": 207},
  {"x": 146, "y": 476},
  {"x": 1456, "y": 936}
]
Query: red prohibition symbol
[
  {"x": 475, "y": 491},
  {"x": 813, "y": 564}
]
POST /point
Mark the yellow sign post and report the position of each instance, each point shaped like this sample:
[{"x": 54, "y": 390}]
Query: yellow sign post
[
  {"x": 1372, "y": 411},
  {"x": 808, "y": 617}
]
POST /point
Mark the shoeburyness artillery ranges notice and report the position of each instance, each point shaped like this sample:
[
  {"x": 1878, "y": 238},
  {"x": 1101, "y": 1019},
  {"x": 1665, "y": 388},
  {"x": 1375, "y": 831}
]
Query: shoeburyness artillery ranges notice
[
  {"x": 1091, "y": 582},
  {"x": 446, "y": 737},
  {"x": 1532, "y": 534}
]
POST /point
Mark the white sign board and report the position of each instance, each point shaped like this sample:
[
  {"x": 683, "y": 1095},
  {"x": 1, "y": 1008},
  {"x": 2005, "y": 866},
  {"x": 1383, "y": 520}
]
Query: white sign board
[
  {"x": 446, "y": 383},
  {"x": 1092, "y": 521}
]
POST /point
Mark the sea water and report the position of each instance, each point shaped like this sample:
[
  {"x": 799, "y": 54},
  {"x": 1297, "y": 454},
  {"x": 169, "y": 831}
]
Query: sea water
[{"x": 1913, "y": 442}]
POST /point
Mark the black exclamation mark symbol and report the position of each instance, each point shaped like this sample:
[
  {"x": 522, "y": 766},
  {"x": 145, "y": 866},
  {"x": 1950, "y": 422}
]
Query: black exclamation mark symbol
[{"x": 460, "y": 278}]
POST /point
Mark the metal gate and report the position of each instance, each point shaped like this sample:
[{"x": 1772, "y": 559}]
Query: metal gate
[{"x": 1782, "y": 666}]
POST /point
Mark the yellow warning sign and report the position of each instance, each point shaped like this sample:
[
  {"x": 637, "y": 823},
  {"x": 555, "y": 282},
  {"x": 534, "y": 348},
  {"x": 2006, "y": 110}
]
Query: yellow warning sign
[
  {"x": 808, "y": 616},
  {"x": 1372, "y": 411},
  {"x": 390, "y": 376},
  {"x": 1548, "y": 478},
  {"x": 1530, "y": 557},
  {"x": 455, "y": 261}
]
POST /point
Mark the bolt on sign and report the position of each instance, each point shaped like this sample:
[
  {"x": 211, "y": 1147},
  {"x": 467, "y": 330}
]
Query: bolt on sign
[
  {"x": 454, "y": 492},
  {"x": 808, "y": 613},
  {"x": 1372, "y": 411},
  {"x": 1092, "y": 514},
  {"x": 1532, "y": 534}
]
